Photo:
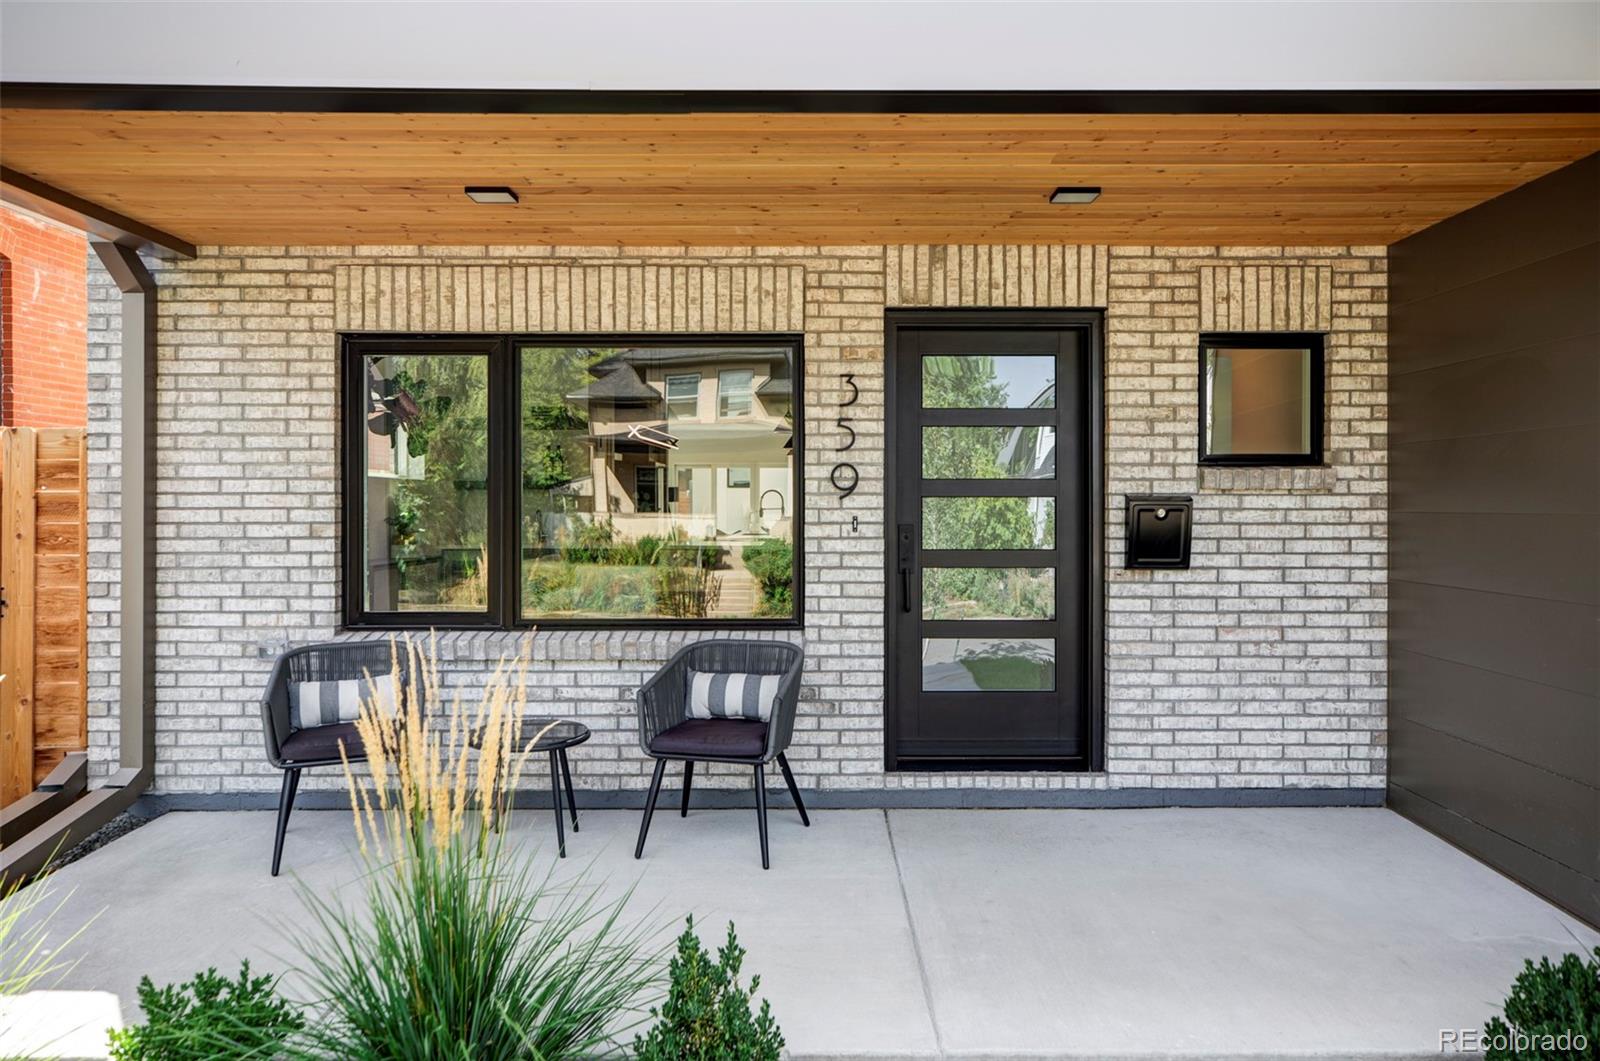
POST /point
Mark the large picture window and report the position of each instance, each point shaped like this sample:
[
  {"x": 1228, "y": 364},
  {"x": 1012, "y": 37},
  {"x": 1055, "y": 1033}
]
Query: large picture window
[{"x": 569, "y": 481}]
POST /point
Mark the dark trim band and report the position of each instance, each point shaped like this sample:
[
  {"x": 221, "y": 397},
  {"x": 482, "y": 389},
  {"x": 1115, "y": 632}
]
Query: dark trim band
[
  {"x": 99, "y": 222},
  {"x": 60, "y": 95}
]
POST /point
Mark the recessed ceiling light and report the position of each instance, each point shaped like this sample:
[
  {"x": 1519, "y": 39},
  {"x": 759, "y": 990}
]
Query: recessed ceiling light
[
  {"x": 1074, "y": 195},
  {"x": 492, "y": 195}
]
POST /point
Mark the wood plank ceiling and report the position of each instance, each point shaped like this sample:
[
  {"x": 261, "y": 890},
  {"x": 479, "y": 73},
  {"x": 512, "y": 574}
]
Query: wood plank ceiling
[{"x": 771, "y": 179}]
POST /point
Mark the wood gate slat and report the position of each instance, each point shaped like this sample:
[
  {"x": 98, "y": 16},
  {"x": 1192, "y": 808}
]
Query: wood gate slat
[
  {"x": 17, "y": 516},
  {"x": 43, "y": 569}
]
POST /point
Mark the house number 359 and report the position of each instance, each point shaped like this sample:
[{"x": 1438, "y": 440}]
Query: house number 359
[{"x": 844, "y": 476}]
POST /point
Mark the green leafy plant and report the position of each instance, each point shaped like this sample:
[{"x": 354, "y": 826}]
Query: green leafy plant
[
  {"x": 209, "y": 1017},
  {"x": 461, "y": 949},
  {"x": 1553, "y": 1012},
  {"x": 706, "y": 1016},
  {"x": 771, "y": 562}
]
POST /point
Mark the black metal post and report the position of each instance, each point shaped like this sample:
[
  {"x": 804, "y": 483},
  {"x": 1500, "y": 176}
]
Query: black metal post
[{"x": 688, "y": 782}]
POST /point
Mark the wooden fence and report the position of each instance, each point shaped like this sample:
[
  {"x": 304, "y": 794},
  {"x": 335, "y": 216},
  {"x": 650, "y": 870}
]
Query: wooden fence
[{"x": 43, "y": 602}]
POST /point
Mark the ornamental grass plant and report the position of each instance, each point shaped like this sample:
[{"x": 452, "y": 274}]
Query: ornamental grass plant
[{"x": 463, "y": 947}]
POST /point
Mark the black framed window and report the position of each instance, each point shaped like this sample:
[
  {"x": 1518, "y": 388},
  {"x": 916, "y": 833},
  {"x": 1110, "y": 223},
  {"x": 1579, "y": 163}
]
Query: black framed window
[
  {"x": 1261, "y": 398},
  {"x": 557, "y": 481}
]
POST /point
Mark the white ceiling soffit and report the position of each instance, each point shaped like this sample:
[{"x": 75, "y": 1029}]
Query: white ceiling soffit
[{"x": 785, "y": 45}]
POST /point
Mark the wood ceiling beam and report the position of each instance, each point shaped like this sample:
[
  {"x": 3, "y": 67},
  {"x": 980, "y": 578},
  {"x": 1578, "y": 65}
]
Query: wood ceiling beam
[{"x": 101, "y": 222}]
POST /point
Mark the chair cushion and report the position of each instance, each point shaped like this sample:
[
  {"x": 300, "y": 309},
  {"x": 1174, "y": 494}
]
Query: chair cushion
[
  {"x": 722, "y": 738},
  {"x": 322, "y": 743},
  {"x": 323, "y": 703},
  {"x": 722, "y": 695}
]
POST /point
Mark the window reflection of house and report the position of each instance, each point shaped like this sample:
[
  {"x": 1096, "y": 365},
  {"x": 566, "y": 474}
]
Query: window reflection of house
[{"x": 692, "y": 441}]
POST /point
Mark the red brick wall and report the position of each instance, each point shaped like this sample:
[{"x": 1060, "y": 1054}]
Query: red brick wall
[{"x": 44, "y": 317}]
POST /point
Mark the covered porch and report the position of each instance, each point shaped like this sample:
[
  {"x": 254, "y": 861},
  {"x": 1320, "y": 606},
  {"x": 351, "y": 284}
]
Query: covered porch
[{"x": 904, "y": 933}]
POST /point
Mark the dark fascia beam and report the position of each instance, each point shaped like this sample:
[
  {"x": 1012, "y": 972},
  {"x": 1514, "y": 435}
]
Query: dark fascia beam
[
  {"x": 98, "y": 221},
  {"x": 57, "y": 95}
]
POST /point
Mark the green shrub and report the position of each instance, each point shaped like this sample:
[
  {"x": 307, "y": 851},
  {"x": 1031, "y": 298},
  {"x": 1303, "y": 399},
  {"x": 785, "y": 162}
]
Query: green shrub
[
  {"x": 771, "y": 562},
  {"x": 706, "y": 1016},
  {"x": 208, "y": 1017},
  {"x": 1549, "y": 1008},
  {"x": 557, "y": 588}
]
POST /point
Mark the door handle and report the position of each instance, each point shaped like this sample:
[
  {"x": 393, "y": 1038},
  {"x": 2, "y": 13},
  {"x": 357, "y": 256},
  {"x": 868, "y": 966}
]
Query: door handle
[{"x": 905, "y": 536}]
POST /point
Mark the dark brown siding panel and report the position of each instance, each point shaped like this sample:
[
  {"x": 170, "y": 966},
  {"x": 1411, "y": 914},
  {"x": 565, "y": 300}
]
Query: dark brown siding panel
[
  {"x": 1548, "y": 642},
  {"x": 1546, "y": 812},
  {"x": 1554, "y": 384},
  {"x": 1555, "y": 214},
  {"x": 1494, "y": 552},
  {"x": 1549, "y": 557},
  {"x": 1512, "y": 311},
  {"x": 1547, "y": 470},
  {"x": 1499, "y": 713}
]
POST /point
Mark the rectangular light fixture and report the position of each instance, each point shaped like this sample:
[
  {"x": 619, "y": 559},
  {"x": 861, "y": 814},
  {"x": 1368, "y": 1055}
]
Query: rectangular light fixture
[
  {"x": 492, "y": 195},
  {"x": 1074, "y": 195}
]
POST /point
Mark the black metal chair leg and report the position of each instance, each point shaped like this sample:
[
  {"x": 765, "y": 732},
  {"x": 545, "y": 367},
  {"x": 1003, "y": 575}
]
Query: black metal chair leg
[
  {"x": 555, "y": 796},
  {"x": 761, "y": 812},
  {"x": 566, "y": 780},
  {"x": 291, "y": 782},
  {"x": 650, "y": 806},
  {"x": 794, "y": 790},
  {"x": 688, "y": 783}
]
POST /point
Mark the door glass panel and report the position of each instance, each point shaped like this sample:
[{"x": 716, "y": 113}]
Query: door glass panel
[
  {"x": 988, "y": 523},
  {"x": 1002, "y": 381},
  {"x": 982, "y": 664},
  {"x": 989, "y": 452},
  {"x": 988, "y": 593}
]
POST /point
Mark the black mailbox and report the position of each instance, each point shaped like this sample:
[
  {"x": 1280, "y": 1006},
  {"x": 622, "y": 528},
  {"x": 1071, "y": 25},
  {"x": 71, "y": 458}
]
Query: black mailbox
[{"x": 1158, "y": 532}]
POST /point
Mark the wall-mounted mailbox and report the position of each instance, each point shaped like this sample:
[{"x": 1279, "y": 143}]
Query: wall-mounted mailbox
[{"x": 1158, "y": 532}]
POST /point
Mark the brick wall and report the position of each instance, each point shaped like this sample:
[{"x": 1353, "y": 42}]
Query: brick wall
[
  {"x": 43, "y": 316},
  {"x": 1259, "y": 668}
]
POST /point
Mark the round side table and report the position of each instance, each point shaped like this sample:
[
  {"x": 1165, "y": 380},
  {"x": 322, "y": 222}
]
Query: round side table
[{"x": 558, "y": 735}]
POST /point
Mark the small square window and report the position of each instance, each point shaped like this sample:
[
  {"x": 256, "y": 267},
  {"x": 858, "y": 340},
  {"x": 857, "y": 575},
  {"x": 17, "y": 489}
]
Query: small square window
[{"x": 1261, "y": 399}]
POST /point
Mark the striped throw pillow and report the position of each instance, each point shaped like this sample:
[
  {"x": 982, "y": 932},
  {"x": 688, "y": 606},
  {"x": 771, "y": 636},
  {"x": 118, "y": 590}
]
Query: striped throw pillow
[
  {"x": 324, "y": 703},
  {"x": 714, "y": 695}
]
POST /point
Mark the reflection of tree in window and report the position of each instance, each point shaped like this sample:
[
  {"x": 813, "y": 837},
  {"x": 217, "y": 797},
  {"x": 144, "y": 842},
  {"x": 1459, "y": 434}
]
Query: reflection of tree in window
[
  {"x": 972, "y": 383},
  {"x": 431, "y": 412}
]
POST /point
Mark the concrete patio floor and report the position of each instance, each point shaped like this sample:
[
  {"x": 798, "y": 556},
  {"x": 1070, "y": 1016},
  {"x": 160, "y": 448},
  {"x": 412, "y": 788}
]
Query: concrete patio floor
[{"x": 947, "y": 933}]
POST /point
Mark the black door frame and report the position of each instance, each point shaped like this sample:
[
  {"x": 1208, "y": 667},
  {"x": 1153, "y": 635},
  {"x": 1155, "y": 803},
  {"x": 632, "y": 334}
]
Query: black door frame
[{"x": 1091, "y": 687}]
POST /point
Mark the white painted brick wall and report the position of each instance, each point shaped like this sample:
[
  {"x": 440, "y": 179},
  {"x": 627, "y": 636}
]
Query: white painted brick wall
[{"x": 1260, "y": 667}]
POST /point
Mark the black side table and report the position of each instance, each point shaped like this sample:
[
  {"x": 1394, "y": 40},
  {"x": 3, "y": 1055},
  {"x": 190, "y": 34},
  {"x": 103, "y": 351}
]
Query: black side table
[{"x": 554, "y": 737}]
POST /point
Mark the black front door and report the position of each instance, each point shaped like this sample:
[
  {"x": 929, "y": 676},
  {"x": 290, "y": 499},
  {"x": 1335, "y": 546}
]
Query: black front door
[{"x": 994, "y": 540}]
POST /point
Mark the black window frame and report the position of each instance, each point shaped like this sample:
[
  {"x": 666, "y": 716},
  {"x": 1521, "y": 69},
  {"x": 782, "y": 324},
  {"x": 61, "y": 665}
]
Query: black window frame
[
  {"x": 504, "y": 540},
  {"x": 1313, "y": 342}
]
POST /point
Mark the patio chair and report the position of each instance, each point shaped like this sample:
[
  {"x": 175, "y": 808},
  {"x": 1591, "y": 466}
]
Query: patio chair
[
  {"x": 722, "y": 721},
  {"x": 323, "y": 682}
]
